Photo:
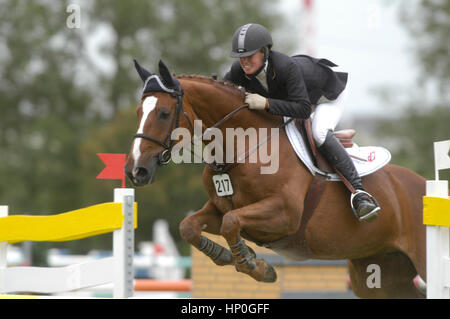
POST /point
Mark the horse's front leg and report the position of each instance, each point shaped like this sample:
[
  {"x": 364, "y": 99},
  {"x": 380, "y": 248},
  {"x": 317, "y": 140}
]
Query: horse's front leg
[
  {"x": 267, "y": 216},
  {"x": 208, "y": 219}
]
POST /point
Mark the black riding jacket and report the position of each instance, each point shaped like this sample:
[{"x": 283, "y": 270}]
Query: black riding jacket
[{"x": 295, "y": 84}]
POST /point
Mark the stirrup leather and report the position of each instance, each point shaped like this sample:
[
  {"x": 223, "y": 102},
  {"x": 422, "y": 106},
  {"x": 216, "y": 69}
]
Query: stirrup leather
[{"x": 370, "y": 214}]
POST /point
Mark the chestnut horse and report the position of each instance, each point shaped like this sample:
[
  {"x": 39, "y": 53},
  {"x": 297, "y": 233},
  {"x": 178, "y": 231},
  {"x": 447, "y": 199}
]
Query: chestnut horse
[{"x": 270, "y": 209}]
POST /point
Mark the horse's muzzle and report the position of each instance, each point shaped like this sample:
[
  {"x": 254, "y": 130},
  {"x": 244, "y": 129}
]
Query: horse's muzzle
[{"x": 142, "y": 175}]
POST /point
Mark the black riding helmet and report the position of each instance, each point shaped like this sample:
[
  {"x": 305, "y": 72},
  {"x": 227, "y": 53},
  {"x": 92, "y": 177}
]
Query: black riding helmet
[{"x": 248, "y": 39}]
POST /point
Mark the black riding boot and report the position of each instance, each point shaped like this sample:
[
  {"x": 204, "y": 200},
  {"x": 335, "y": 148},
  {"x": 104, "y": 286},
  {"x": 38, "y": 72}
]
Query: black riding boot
[{"x": 363, "y": 206}]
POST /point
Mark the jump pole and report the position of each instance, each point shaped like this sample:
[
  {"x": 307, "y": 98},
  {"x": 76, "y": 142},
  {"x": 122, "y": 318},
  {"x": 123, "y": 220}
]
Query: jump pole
[
  {"x": 123, "y": 245},
  {"x": 437, "y": 220},
  {"x": 438, "y": 248},
  {"x": 3, "y": 249},
  {"x": 117, "y": 269}
]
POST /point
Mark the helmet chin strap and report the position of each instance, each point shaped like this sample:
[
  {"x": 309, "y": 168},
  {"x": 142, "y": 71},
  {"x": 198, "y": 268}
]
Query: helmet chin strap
[{"x": 264, "y": 64}]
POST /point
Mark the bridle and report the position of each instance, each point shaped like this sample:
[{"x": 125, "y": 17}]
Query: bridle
[
  {"x": 165, "y": 155},
  {"x": 177, "y": 92},
  {"x": 168, "y": 143}
]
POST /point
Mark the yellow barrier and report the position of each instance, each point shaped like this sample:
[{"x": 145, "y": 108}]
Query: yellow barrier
[
  {"x": 19, "y": 297},
  {"x": 77, "y": 224},
  {"x": 436, "y": 211}
]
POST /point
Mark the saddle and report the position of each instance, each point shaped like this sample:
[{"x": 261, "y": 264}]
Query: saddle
[
  {"x": 344, "y": 136},
  {"x": 317, "y": 186}
]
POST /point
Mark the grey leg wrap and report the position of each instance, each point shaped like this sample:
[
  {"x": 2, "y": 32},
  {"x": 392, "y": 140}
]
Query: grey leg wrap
[
  {"x": 242, "y": 250},
  {"x": 214, "y": 250}
]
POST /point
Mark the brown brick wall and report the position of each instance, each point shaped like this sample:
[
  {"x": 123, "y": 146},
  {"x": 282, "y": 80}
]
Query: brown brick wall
[
  {"x": 314, "y": 278},
  {"x": 212, "y": 281}
]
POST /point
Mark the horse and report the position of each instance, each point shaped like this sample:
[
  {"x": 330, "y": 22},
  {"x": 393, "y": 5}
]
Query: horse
[{"x": 270, "y": 209}]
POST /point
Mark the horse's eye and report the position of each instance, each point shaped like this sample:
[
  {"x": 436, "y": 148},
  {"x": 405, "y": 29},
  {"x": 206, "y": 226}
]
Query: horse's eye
[{"x": 163, "y": 114}]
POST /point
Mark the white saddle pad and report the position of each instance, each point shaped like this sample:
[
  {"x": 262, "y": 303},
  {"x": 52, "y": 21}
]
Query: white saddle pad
[{"x": 369, "y": 158}]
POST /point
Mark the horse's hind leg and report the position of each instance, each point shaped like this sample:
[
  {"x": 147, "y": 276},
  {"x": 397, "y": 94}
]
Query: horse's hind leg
[
  {"x": 396, "y": 273},
  {"x": 207, "y": 219}
]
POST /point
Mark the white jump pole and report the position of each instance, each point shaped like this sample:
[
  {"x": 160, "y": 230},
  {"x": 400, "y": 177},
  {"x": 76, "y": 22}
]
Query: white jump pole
[
  {"x": 123, "y": 245},
  {"x": 438, "y": 249},
  {"x": 438, "y": 237},
  {"x": 3, "y": 250},
  {"x": 117, "y": 269}
]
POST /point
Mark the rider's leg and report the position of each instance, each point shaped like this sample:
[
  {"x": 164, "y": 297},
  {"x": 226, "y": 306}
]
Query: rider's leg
[{"x": 326, "y": 118}]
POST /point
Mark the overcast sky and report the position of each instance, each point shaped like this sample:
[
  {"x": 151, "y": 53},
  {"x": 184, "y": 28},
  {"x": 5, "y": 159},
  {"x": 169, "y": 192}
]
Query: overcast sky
[{"x": 367, "y": 40}]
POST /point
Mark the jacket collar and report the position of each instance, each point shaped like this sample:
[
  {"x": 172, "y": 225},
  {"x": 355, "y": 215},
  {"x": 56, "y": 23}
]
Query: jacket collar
[{"x": 271, "y": 74}]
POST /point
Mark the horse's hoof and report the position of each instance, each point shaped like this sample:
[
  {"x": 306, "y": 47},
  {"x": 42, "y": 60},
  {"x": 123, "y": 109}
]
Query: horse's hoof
[
  {"x": 270, "y": 275},
  {"x": 268, "y": 272}
]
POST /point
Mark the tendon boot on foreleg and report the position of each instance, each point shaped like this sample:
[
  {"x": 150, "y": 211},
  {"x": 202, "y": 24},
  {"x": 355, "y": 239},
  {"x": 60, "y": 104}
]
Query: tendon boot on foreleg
[{"x": 218, "y": 254}]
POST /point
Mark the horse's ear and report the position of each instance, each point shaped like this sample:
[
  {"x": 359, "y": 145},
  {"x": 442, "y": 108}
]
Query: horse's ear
[
  {"x": 143, "y": 73},
  {"x": 165, "y": 74}
]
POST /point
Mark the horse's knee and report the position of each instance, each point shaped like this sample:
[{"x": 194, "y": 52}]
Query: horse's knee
[
  {"x": 189, "y": 231},
  {"x": 230, "y": 225}
]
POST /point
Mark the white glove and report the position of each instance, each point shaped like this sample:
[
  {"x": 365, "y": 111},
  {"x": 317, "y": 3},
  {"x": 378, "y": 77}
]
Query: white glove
[{"x": 255, "y": 101}]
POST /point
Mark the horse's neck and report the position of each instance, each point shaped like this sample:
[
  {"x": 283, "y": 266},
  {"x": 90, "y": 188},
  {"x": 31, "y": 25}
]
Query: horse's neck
[
  {"x": 208, "y": 102},
  {"x": 211, "y": 103}
]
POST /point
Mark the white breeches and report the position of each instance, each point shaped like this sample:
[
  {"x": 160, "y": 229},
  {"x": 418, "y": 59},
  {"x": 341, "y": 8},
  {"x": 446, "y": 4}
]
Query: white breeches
[{"x": 326, "y": 117}]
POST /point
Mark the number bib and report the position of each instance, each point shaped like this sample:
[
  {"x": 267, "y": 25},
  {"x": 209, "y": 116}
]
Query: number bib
[{"x": 223, "y": 186}]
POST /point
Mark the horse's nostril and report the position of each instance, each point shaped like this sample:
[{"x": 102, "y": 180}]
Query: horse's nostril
[
  {"x": 144, "y": 174},
  {"x": 140, "y": 172}
]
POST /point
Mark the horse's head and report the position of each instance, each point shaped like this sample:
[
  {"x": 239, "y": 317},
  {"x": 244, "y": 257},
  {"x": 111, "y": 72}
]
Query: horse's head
[{"x": 158, "y": 115}]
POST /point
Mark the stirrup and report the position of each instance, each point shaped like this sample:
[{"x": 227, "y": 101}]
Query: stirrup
[{"x": 370, "y": 214}]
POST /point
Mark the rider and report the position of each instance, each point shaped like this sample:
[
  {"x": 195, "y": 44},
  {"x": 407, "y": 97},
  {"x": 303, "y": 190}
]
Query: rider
[{"x": 292, "y": 86}]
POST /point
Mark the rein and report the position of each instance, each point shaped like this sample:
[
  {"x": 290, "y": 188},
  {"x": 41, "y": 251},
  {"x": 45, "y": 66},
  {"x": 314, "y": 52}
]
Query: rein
[{"x": 168, "y": 144}]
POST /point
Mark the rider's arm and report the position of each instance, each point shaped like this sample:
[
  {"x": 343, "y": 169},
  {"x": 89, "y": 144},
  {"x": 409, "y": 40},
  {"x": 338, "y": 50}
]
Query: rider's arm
[{"x": 297, "y": 103}]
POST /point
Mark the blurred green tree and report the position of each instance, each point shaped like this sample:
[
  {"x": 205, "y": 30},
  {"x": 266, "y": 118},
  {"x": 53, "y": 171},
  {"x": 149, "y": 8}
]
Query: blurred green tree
[
  {"x": 44, "y": 106},
  {"x": 412, "y": 137},
  {"x": 429, "y": 26},
  {"x": 192, "y": 37},
  {"x": 68, "y": 93},
  {"x": 426, "y": 116}
]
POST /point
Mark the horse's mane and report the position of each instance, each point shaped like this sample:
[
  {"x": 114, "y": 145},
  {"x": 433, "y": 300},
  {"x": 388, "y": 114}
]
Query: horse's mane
[{"x": 227, "y": 86}]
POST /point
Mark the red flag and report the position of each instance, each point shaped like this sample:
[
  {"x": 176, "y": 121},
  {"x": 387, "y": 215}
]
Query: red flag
[{"x": 114, "y": 167}]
